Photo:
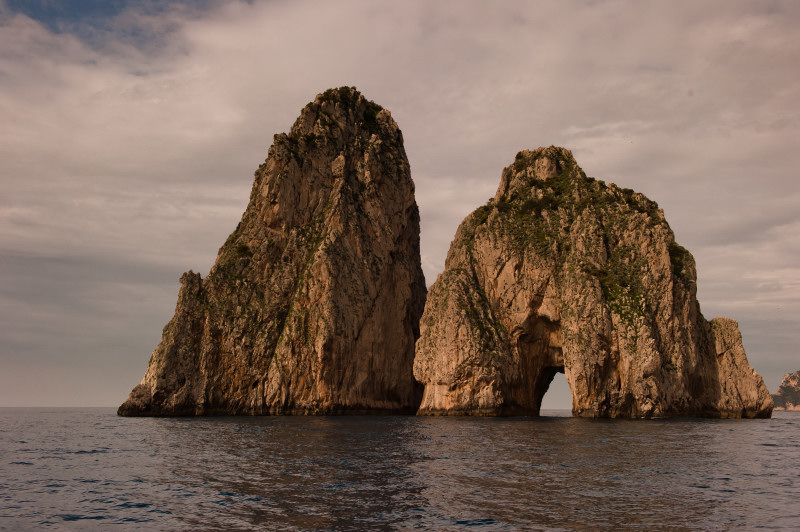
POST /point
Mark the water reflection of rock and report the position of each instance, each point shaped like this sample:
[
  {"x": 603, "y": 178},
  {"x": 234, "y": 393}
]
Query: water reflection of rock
[
  {"x": 562, "y": 473},
  {"x": 304, "y": 472},
  {"x": 345, "y": 473}
]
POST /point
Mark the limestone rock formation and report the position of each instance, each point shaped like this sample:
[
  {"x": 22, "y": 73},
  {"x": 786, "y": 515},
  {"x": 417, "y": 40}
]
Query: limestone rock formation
[
  {"x": 313, "y": 303},
  {"x": 788, "y": 396},
  {"x": 563, "y": 273}
]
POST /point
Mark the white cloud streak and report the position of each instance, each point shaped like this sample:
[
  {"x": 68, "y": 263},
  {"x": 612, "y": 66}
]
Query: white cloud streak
[{"x": 134, "y": 144}]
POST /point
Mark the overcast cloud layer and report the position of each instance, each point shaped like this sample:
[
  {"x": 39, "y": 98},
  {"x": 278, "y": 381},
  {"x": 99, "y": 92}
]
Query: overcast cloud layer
[{"x": 128, "y": 146}]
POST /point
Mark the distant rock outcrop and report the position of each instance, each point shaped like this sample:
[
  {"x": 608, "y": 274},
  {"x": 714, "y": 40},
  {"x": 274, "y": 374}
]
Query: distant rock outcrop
[
  {"x": 563, "y": 273},
  {"x": 313, "y": 303},
  {"x": 788, "y": 396}
]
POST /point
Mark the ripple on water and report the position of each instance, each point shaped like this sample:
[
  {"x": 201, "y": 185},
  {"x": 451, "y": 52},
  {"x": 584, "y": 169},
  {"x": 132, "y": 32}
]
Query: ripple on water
[{"x": 350, "y": 473}]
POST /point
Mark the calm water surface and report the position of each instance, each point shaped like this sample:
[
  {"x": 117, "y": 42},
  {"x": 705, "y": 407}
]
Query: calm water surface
[{"x": 89, "y": 469}]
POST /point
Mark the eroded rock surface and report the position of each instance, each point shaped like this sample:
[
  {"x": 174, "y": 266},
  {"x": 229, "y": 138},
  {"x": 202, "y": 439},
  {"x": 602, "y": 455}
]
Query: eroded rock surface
[
  {"x": 313, "y": 303},
  {"x": 788, "y": 395},
  {"x": 563, "y": 273}
]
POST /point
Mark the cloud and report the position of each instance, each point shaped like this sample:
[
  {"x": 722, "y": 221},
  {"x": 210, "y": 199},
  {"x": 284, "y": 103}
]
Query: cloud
[{"x": 132, "y": 140}]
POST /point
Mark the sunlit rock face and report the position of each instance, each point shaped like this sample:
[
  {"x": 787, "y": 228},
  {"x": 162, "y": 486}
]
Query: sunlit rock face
[
  {"x": 313, "y": 303},
  {"x": 788, "y": 395},
  {"x": 563, "y": 273}
]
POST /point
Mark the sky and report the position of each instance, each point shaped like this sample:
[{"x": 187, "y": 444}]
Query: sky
[{"x": 130, "y": 131}]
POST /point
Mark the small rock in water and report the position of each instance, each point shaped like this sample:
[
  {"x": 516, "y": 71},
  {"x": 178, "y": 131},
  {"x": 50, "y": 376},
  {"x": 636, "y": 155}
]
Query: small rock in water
[{"x": 788, "y": 395}]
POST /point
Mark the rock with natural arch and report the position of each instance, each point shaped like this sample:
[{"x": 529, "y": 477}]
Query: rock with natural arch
[{"x": 560, "y": 272}]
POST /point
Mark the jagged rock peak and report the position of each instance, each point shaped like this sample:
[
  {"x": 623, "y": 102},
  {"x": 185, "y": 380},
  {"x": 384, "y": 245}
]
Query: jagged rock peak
[
  {"x": 560, "y": 272},
  {"x": 349, "y": 109},
  {"x": 539, "y": 164},
  {"x": 313, "y": 303},
  {"x": 788, "y": 395}
]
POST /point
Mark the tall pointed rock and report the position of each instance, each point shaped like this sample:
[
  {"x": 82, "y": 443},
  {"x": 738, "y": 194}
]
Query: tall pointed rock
[
  {"x": 563, "y": 273},
  {"x": 313, "y": 303}
]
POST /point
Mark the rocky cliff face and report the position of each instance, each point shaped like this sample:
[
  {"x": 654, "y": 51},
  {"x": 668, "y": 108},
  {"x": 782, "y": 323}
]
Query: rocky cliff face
[
  {"x": 563, "y": 273},
  {"x": 313, "y": 303},
  {"x": 788, "y": 396}
]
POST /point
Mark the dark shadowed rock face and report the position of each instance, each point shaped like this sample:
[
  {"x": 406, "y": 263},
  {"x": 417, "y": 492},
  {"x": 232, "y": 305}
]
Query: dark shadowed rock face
[
  {"x": 313, "y": 303},
  {"x": 563, "y": 273},
  {"x": 788, "y": 396}
]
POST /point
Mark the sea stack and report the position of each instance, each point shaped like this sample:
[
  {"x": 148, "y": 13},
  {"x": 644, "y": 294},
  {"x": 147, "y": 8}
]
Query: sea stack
[
  {"x": 788, "y": 395},
  {"x": 560, "y": 272},
  {"x": 313, "y": 303}
]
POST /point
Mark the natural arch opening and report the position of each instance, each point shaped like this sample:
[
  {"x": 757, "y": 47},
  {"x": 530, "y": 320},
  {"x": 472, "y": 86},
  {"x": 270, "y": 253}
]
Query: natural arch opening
[
  {"x": 557, "y": 400},
  {"x": 538, "y": 345}
]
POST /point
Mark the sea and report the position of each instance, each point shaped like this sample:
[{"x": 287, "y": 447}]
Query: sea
[{"x": 88, "y": 469}]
